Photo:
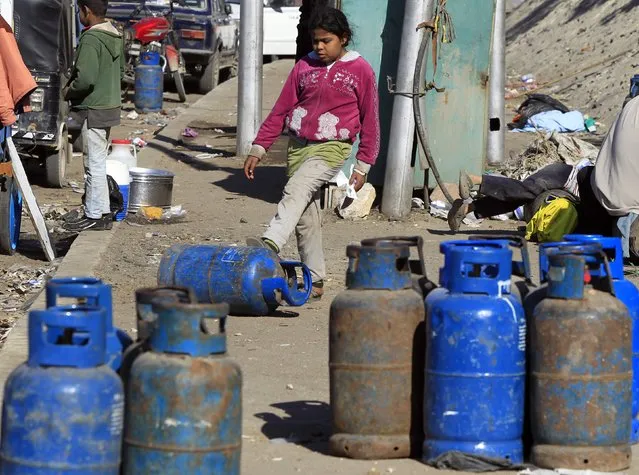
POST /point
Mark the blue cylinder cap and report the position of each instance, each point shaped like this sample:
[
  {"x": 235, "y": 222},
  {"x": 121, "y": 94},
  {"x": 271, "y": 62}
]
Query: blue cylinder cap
[
  {"x": 94, "y": 291},
  {"x": 567, "y": 271},
  {"x": 71, "y": 336},
  {"x": 181, "y": 328},
  {"x": 381, "y": 265},
  {"x": 476, "y": 267},
  {"x": 612, "y": 246},
  {"x": 547, "y": 247}
]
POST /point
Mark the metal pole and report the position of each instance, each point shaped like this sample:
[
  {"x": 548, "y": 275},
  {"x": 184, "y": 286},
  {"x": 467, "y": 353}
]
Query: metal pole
[
  {"x": 249, "y": 103},
  {"x": 398, "y": 181},
  {"x": 497, "y": 126}
]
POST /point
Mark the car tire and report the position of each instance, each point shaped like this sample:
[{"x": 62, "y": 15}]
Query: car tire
[
  {"x": 10, "y": 216},
  {"x": 211, "y": 75},
  {"x": 56, "y": 163}
]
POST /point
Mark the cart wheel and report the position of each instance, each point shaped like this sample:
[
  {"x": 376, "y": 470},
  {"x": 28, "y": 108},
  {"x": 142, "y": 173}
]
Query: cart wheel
[
  {"x": 178, "y": 79},
  {"x": 56, "y": 164},
  {"x": 10, "y": 216}
]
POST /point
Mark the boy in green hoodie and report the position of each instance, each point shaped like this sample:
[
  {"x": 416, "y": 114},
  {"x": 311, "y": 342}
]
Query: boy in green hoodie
[{"x": 94, "y": 92}]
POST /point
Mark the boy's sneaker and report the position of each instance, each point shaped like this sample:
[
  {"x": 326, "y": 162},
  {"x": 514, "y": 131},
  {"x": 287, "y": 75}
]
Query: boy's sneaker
[{"x": 101, "y": 224}]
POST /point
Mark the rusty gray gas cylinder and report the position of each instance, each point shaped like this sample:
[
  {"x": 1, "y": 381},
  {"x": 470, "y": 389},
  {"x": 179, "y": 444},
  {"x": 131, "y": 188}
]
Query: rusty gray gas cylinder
[{"x": 376, "y": 346}]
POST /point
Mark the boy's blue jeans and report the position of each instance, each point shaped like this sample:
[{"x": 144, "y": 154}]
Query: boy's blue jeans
[
  {"x": 622, "y": 230},
  {"x": 96, "y": 146}
]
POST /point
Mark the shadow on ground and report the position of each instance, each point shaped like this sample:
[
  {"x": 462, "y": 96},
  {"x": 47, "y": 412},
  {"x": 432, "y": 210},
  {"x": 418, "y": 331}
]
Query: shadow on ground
[
  {"x": 29, "y": 245},
  {"x": 304, "y": 423}
]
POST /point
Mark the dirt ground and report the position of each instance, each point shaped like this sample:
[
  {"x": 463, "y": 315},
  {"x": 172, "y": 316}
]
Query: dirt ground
[{"x": 283, "y": 357}]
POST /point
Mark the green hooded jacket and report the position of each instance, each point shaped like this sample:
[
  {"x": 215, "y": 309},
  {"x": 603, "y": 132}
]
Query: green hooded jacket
[{"x": 98, "y": 69}]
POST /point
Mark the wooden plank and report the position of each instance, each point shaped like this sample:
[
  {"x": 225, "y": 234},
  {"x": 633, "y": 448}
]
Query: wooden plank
[{"x": 32, "y": 205}]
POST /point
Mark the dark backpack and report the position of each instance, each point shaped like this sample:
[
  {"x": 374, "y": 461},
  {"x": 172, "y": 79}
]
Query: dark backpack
[{"x": 116, "y": 200}]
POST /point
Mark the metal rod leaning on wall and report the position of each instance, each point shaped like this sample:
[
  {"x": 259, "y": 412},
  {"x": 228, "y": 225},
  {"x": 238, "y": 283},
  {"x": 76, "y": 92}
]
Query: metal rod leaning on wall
[
  {"x": 497, "y": 102},
  {"x": 249, "y": 101}
]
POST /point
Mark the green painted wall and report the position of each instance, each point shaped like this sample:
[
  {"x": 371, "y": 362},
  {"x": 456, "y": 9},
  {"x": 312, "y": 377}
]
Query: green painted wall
[{"x": 457, "y": 119}]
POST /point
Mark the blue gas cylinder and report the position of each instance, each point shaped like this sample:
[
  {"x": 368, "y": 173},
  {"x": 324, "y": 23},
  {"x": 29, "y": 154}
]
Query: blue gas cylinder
[
  {"x": 183, "y": 411},
  {"x": 94, "y": 293},
  {"x": 63, "y": 410},
  {"x": 580, "y": 366},
  {"x": 149, "y": 84},
  {"x": 376, "y": 351},
  {"x": 475, "y": 356},
  {"x": 252, "y": 280},
  {"x": 146, "y": 320},
  {"x": 628, "y": 293}
]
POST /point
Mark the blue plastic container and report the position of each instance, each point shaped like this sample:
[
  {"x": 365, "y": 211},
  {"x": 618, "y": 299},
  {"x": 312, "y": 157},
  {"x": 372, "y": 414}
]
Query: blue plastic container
[
  {"x": 634, "y": 86},
  {"x": 475, "y": 356},
  {"x": 124, "y": 189},
  {"x": 581, "y": 368},
  {"x": 252, "y": 280},
  {"x": 94, "y": 293},
  {"x": 63, "y": 410},
  {"x": 149, "y": 88},
  {"x": 184, "y": 396},
  {"x": 628, "y": 293}
]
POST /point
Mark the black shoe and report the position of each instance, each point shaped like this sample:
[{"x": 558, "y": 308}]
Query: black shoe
[{"x": 101, "y": 224}]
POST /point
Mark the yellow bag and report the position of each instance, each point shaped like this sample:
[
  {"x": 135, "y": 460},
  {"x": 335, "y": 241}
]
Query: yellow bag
[{"x": 552, "y": 221}]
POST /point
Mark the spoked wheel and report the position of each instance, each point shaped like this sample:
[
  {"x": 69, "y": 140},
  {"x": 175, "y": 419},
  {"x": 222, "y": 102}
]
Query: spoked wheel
[{"x": 10, "y": 216}]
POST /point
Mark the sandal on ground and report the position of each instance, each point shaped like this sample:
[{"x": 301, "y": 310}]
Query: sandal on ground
[
  {"x": 457, "y": 214},
  {"x": 317, "y": 290}
]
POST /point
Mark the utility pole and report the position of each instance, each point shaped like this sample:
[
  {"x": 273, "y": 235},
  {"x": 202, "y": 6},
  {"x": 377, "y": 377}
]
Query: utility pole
[
  {"x": 496, "y": 104},
  {"x": 398, "y": 181},
  {"x": 249, "y": 103}
]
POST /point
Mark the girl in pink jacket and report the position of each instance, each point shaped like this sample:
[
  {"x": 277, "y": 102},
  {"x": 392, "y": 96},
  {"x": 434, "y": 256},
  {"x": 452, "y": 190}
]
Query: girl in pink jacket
[{"x": 329, "y": 98}]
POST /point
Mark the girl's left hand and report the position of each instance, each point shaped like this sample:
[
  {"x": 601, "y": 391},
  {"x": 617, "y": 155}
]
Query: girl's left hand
[{"x": 357, "y": 180}]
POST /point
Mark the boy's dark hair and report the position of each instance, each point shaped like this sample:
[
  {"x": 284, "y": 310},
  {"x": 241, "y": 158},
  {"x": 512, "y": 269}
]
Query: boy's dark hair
[
  {"x": 333, "y": 21},
  {"x": 98, "y": 7}
]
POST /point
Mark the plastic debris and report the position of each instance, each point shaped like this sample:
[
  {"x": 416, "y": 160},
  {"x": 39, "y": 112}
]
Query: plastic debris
[
  {"x": 138, "y": 142},
  {"x": 133, "y": 115},
  {"x": 189, "y": 133}
]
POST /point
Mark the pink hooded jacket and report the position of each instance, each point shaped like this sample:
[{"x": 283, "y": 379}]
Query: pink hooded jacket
[{"x": 321, "y": 103}]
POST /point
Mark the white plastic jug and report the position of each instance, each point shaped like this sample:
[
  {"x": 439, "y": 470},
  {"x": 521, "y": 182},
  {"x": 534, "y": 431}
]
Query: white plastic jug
[
  {"x": 120, "y": 173},
  {"x": 124, "y": 151}
]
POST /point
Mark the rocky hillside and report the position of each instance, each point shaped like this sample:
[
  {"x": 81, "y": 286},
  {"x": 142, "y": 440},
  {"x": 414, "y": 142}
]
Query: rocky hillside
[{"x": 584, "y": 51}]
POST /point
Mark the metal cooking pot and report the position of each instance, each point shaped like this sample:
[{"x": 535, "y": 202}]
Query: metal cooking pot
[{"x": 150, "y": 187}]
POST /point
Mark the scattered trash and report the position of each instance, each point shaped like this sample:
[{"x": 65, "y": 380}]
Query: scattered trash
[
  {"x": 138, "y": 142},
  {"x": 555, "y": 121},
  {"x": 133, "y": 115},
  {"x": 418, "y": 203},
  {"x": 17, "y": 282},
  {"x": 243, "y": 221},
  {"x": 218, "y": 131},
  {"x": 533, "y": 105},
  {"x": 528, "y": 79},
  {"x": 154, "y": 215},
  {"x": 205, "y": 156},
  {"x": 289, "y": 387},
  {"x": 545, "y": 150},
  {"x": 277, "y": 459},
  {"x": 189, "y": 133}
]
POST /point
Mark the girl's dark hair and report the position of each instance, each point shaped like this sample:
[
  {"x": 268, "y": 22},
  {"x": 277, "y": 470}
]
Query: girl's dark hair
[
  {"x": 333, "y": 21},
  {"x": 98, "y": 7}
]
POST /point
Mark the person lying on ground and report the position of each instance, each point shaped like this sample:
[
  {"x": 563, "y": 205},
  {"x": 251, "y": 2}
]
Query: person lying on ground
[{"x": 491, "y": 195}]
